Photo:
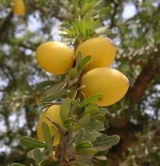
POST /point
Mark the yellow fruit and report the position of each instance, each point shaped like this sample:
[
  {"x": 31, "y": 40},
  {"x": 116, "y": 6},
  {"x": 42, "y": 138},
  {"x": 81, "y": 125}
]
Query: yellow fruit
[
  {"x": 18, "y": 7},
  {"x": 110, "y": 82},
  {"x": 55, "y": 57},
  {"x": 101, "y": 50},
  {"x": 53, "y": 113}
]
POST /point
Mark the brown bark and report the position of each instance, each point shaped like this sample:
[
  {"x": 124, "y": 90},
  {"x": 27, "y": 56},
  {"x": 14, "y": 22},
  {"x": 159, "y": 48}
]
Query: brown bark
[{"x": 146, "y": 76}]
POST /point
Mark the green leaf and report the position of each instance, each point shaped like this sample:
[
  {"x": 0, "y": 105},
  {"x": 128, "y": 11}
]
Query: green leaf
[
  {"x": 89, "y": 14},
  {"x": 37, "y": 156},
  {"x": 84, "y": 160},
  {"x": 91, "y": 109},
  {"x": 56, "y": 88},
  {"x": 99, "y": 117},
  {"x": 103, "y": 111},
  {"x": 44, "y": 163},
  {"x": 105, "y": 142},
  {"x": 79, "y": 136},
  {"x": 48, "y": 163},
  {"x": 30, "y": 154},
  {"x": 83, "y": 63},
  {"x": 81, "y": 123},
  {"x": 81, "y": 87},
  {"x": 101, "y": 153},
  {"x": 84, "y": 144},
  {"x": 72, "y": 81},
  {"x": 72, "y": 148},
  {"x": 76, "y": 24},
  {"x": 86, "y": 8},
  {"x": 104, "y": 10},
  {"x": 78, "y": 163},
  {"x": 17, "y": 164},
  {"x": 91, "y": 136},
  {"x": 91, "y": 99},
  {"x": 65, "y": 109},
  {"x": 72, "y": 94},
  {"x": 75, "y": 107},
  {"x": 72, "y": 72},
  {"x": 31, "y": 142},
  {"x": 94, "y": 125},
  {"x": 47, "y": 83},
  {"x": 90, "y": 24},
  {"x": 68, "y": 122},
  {"x": 101, "y": 157},
  {"x": 86, "y": 151},
  {"x": 78, "y": 60},
  {"x": 47, "y": 136},
  {"x": 72, "y": 137},
  {"x": 50, "y": 98}
]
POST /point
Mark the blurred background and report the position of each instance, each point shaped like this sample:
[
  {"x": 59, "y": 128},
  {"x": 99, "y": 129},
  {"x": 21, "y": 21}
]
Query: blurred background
[{"x": 136, "y": 118}]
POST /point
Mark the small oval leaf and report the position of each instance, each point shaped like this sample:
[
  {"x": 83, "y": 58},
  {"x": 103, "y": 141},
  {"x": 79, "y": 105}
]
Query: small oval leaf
[
  {"x": 99, "y": 117},
  {"x": 94, "y": 125},
  {"x": 84, "y": 144},
  {"x": 91, "y": 136},
  {"x": 78, "y": 60},
  {"x": 72, "y": 148},
  {"x": 31, "y": 142},
  {"x": 91, "y": 109},
  {"x": 37, "y": 156},
  {"x": 49, "y": 98},
  {"x": 101, "y": 157},
  {"x": 84, "y": 160},
  {"x": 103, "y": 111},
  {"x": 47, "y": 136},
  {"x": 75, "y": 107},
  {"x": 81, "y": 123},
  {"x": 86, "y": 151},
  {"x": 83, "y": 63},
  {"x": 56, "y": 88},
  {"x": 68, "y": 122},
  {"x": 65, "y": 109},
  {"x": 105, "y": 142},
  {"x": 80, "y": 136},
  {"x": 91, "y": 99}
]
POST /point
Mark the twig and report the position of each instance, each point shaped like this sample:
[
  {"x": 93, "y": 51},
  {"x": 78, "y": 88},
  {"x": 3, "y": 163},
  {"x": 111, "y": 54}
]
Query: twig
[{"x": 62, "y": 129}]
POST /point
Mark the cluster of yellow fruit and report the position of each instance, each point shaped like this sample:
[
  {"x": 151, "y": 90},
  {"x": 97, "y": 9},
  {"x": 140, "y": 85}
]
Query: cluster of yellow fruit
[
  {"x": 18, "y": 7},
  {"x": 56, "y": 57}
]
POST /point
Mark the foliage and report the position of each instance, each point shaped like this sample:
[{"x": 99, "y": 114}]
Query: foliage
[{"x": 135, "y": 118}]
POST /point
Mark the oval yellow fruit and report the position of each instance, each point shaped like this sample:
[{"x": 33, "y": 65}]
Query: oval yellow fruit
[
  {"x": 55, "y": 57},
  {"x": 110, "y": 82},
  {"x": 18, "y": 7},
  {"x": 53, "y": 113},
  {"x": 101, "y": 50}
]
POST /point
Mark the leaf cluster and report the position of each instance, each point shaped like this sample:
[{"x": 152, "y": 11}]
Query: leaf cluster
[
  {"x": 81, "y": 137},
  {"x": 81, "y": 140},
  {"x": 85, "y": 22}
]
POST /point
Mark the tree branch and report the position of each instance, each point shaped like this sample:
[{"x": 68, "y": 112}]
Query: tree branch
[
  {"x": 114, "y": 14},
  {"x": 5, "y": 25},
  {"x": 146, "y": 76}
]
